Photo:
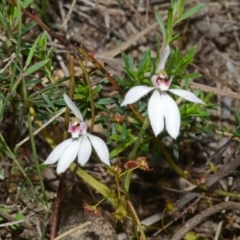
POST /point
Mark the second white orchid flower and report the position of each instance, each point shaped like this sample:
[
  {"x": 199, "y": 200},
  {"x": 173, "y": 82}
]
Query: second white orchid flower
[
  {"x": 79, "y": 145},
  {"x": 161, "y": 106}
]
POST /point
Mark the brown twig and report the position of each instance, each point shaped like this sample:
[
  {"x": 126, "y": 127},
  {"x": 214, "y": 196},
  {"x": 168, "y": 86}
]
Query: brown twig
[
  {"x": 80, "y": 227},
  {"x": 193, "y": 222},
  {"x": 225, "y": 170},
  {"x": 57, "y": 207}
]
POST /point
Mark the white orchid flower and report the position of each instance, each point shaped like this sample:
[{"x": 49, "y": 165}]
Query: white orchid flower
[
  {"x": 80, "y": 145},
  {"x": 161, "y": 106}
]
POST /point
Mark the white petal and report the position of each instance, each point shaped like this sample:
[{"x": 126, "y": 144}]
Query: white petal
[
  {"x": 73, "y": 107},
  {"x": 163, "y": 59},
  {"x": 135, "y": 93},
  {"x": 186, "y": 95},
  {"x": 100, "y": 147},
  {"x": 84, "y": 151},
  {"x": 171, "y": 114},
  {"x": 155, "y": 112},
  {"x": 68, "y": 156},
  {"x": 58, "y": 151}
]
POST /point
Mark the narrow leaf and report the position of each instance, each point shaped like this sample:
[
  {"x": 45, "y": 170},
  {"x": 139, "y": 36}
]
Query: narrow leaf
[
  {"x": 35, "y": 67},
  {"x": 170, "y": 22},
  {"x": 160, "y": 23},
  {"x": 32, "y": 50},
  {"x": 191, "y": 11},
  {"x": 49, "y": 103},
  {"x": 26, "y": 3}
]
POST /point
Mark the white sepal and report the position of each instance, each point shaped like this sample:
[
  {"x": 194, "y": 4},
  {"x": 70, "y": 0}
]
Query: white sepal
[
  {"x": 135, "y": 93},
  {"x": 85, "y": 150},
  {"x": 73, "y": 107},
  {"x": 100, "y": 147},
  {"x": 155, "y": 112}
]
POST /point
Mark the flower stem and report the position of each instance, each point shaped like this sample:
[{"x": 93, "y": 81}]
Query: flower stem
[
  {"x": 134, "y": 214},
  {"x": 132, "y": 155},
  {"x": 32, "y": 141}
]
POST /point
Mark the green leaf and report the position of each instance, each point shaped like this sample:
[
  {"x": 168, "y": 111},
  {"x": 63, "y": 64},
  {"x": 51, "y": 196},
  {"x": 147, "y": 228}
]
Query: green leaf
[
  {"x": 31, "y": 52},
  {"x": 191, "y": 11},
  {"x": 194, "y": 236},
  {"x": 180, "y": 5},
  {"x": 4, "y": 2},
  {"x": 123, "y": 132},
  {"x": 43, "y": 41},
  {"x": 26, "y": 3},
  {"x": 35, "y": 67},
  {"x": 119, "y": 149},
  {"x": 145, "y": 62},
  {"x": 19, "y": 216},
  {"x": 105, "y": 101},
  {"x": 128, "y": 60},
  {"x": 5, "y": 210},
  {"x": 191, "y": 76},
  {"x": 174, "y": 38},
  {"x": 3, "y": 21},
  {"x": 160, "y": 23},
  {"x": 170, "y": 24},
  {"x": 28, "y": 27},
  {"x": 49, "y": 103},
  {"x": 121, "y": 145}
]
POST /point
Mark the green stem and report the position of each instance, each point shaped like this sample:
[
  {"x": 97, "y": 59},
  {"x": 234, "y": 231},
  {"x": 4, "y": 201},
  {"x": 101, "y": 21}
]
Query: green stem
[
  {"x": 10, "y": 154},
  {"x": 139, "y": 138},
  {"x": 138, "y": 223},
  {"x": 86, "y": 76},
  {"x": 227, "y": 194},
  {"x": 132, "y": 155},
  {"x": 34, "y": 151}
]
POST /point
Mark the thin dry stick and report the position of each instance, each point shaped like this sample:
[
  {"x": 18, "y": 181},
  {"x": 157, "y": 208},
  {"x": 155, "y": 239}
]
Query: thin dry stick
[
  {"x": 193, "y": 222},
  {"x": 84, "y": 225},
  {"x": 69, "y": 13},
  {"x": 57, "y": 207},
  {"x": 220, "y": 92},
  {"x": 42, "y": 127},
  {"x": 212, "y": 77}
]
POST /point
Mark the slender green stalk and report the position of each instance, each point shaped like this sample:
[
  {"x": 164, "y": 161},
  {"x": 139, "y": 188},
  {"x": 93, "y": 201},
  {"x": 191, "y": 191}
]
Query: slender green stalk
[
  {"x": 227, "y": 194},
  {"x": 132, "y": 156},
  {"x": 86, "y": 76},
  {"x": 11, "y": 155},
  {"x": 139, "y": 138},
  {"x": 138, "y": 223},
  {"x": 44, "y": 228},
  {"x": 32, "y": 140}
]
